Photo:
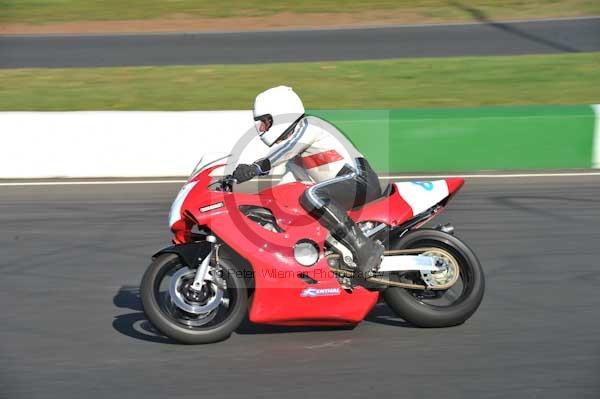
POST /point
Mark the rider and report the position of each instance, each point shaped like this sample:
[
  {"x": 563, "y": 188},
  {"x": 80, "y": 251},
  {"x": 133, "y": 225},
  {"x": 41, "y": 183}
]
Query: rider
[{"x": 343, "y": 177}]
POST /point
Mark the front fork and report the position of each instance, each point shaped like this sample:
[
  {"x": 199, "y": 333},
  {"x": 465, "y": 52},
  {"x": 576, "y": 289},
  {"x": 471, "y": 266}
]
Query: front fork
[{"x": 202, "y": 270}]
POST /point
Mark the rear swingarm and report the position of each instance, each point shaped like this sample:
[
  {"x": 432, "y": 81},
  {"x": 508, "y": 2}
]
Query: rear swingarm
[{"x": 412, "y": 263}]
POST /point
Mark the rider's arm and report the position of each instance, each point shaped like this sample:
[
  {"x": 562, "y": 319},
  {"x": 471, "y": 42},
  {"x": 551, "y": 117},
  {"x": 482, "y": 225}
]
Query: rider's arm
[
  {"x": 263, "y": 166},
  {"x": 302, "y": 138}
]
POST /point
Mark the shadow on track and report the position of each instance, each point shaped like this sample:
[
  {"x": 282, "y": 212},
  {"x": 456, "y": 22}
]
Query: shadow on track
[
  {"x": 483, "y": 18},
  {"x": 382, "y": 314},
  {"x": 135, "y": 325},
  {"x": 250, "y": 328}
]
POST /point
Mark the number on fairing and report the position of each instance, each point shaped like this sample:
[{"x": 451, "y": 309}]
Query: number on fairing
[
  {"x": 427, "y": 185},
  {"x": 421, "y": 196}
]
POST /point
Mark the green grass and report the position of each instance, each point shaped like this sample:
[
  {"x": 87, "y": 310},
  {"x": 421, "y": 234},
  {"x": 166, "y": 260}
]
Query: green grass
[
  {"x": 44, "y": 11},
  {"x": 432, "y": 82}
]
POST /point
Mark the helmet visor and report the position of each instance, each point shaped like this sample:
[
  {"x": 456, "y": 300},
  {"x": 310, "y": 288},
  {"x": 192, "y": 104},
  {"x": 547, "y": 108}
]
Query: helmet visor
[{"x": 263, "y": 123}]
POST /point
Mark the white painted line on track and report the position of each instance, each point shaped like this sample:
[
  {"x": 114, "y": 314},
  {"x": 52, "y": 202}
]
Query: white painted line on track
[
  {"x": 88, "y": 183},
  {"x": 596, "y": 145},
  {"x": 490, "y": 176},
  {"x": 395, "y": 177}
]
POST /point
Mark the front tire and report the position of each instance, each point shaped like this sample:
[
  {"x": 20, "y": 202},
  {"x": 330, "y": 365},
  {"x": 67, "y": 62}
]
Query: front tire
[
  {"x": 184, "y": 327},
  {"x": 412, "y": 305}
]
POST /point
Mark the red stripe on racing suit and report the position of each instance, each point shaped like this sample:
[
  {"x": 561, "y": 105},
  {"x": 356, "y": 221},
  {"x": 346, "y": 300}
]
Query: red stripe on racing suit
[{"x": 322, "y": 158}]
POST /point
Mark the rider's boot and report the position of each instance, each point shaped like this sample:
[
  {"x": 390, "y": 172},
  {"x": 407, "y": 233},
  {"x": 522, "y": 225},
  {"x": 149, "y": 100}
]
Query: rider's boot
[{"x": 367, "y": 253}]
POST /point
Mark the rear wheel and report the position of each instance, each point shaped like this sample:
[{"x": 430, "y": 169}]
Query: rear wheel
[
  {"x": 438, "y": 308},
  {"x": 189, "y": 316}
]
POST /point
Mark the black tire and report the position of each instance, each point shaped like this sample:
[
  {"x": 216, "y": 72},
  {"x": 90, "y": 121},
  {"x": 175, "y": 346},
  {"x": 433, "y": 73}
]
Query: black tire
[
  {"x": 406, "y": 304},
  {"x": 168, "y": 325}
]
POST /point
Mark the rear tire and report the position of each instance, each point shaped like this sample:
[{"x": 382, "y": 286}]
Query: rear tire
[
  {"x": 155, "y": 304},
  {"x": 406, "y": 303}
]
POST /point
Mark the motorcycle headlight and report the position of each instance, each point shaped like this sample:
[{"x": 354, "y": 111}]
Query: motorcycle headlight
[{"x": 306, "y": 252}]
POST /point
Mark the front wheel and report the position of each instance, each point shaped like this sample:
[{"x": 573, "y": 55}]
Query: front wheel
[
  {"x": 189, "y": 316},
  {"x": 438, "y": 308}
]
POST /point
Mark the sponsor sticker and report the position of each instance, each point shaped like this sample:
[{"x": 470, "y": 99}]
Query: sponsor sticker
[
  {"x": 211, "y": 207},
  {"x": 315, "y": 292}
]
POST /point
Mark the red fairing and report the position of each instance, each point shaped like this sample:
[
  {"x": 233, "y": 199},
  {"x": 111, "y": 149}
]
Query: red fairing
[
  {"x": 454, "y": 185},
  {"x": 392, "y": 210},
  {"x": 182, "y": 228},
  {"x": 280, "y": 295},
  {"x": 182, "y": 231},
  {"x": 395, "y": 210}
]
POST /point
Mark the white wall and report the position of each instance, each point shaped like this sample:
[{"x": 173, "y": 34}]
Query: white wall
[
  {"x": 596, "y": 145},
  {"x": 118, "y": 144}
]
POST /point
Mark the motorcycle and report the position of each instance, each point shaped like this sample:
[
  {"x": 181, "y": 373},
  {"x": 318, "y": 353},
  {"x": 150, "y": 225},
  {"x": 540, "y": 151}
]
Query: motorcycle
[{"x": 262, "y": 256}]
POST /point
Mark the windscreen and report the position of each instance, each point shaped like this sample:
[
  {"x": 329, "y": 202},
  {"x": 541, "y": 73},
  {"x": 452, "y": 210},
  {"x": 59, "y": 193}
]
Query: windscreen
[{"x": 205, "y": 162}]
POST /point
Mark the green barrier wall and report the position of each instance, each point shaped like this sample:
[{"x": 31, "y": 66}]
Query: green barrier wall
[{"x": 535, "y": 137}]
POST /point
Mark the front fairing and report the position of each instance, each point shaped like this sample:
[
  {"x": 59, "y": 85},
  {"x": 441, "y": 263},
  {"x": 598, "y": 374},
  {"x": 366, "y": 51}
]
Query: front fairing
[{"x": 193, "y": 191}]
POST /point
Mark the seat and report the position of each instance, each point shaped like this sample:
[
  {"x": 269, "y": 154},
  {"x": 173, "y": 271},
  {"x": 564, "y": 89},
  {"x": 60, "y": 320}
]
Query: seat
[{"x": 388, "y": 190}]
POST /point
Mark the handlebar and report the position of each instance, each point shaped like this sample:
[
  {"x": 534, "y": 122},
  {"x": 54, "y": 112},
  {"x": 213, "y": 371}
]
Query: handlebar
[{"x": 226, "y": 183}]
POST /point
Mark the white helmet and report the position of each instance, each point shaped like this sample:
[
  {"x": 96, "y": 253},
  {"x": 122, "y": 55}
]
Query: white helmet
[{"x": 280, "y": 106}]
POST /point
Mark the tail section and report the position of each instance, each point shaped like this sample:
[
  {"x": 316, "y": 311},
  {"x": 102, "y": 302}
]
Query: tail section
[
  {"x": 454, "y": 184},
  {"x": 422, "y": 195}
]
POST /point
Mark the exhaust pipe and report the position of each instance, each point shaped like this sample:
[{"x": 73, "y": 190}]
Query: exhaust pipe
[{"x": 446, "y": 228}]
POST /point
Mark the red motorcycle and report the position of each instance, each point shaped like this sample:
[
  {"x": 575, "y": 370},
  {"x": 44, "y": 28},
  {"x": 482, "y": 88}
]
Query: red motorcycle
[{"x": 262, "y": 255}]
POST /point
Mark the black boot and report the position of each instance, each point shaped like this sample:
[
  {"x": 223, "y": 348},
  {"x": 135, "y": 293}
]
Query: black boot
[{"x": 367, "y": 253}]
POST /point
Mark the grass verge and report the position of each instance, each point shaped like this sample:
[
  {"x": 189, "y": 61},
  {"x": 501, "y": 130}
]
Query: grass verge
[
  {"x": 426, "y": 82},
  {"x": 51, "y": 11}
]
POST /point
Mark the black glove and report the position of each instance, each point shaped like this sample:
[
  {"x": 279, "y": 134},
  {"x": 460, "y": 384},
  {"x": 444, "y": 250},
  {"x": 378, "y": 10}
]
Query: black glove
[{"x": 244, "y": 172}]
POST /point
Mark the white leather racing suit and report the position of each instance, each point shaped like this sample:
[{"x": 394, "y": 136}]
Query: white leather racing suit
[{"x": 317, "y": 147}]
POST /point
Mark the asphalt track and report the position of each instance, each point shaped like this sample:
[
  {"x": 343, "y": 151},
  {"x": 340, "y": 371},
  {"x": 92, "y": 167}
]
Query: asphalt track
[
  {"x": 486, "y": 38},
  {"x": 72, "y": 326}
]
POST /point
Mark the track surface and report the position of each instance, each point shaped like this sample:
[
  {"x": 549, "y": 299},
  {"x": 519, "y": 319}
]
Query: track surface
[
  {"x": 72, "y": 325},
  {"x": 490, "y": 38}
]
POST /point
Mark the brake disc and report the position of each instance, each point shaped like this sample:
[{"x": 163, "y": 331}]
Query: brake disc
[{"x": 194, "y": 308}]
